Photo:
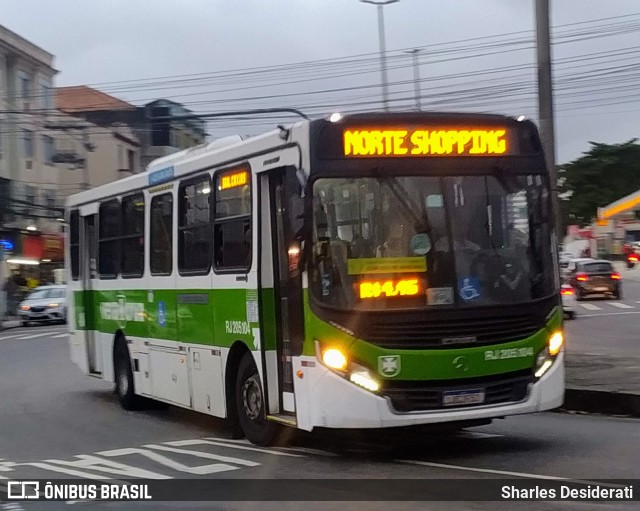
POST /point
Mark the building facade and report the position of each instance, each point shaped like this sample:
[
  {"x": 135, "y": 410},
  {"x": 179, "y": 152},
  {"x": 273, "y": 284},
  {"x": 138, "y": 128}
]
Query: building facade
[
  {"x": 158, "y": 134},
  {"x": 30, "y": 197},
  {"x": 45, "y": 156}
]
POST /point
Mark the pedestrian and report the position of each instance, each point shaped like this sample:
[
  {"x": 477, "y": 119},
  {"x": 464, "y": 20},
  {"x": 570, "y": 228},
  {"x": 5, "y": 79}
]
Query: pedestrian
[{"x": 11, "y": 291}]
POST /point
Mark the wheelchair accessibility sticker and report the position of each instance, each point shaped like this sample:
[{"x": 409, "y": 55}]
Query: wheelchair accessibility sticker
[{"x": 469, "y": 288}]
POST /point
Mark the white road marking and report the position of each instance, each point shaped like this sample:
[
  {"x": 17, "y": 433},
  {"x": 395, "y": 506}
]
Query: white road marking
[
  {"x": 90, "y": 462},
  {"x": 62, "y": 470},
  {"x": 60, "y": 336},
  {"x": 606, "y": 314},
  {"x": 233, "y": 444},
  {"x": 525, "y": 475},
  {"x": 168, "y": 462},
  {"x": 218, "y": 442},
  {"x": 199, "y": 454},
  {"x": 10, "y": 336},
  {"x": 33, "y": 336},
  {"x": 620, "y": 305},
  {"x": 590, "y": 306}
]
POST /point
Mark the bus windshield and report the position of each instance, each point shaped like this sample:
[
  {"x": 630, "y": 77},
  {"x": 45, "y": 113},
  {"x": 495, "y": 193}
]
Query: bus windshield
[{"x": 415, "y": 242}]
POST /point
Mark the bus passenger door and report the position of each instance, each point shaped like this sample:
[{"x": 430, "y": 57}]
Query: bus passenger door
[
  {"x": 280, "y": 286},
  {"x": 88, "y": 269}
]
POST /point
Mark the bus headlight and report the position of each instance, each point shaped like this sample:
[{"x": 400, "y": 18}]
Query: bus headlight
[
  {"x": 555, "y": 343},
  {"x": 545, "y": 358},
  {"x": 333, "y": 358},
  {"x": 362, "y": 377}
]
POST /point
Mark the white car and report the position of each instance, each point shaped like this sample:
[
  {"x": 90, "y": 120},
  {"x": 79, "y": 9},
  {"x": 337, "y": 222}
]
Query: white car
[
  {"x": 45, "y": 303},
  {"x": 568, "y": 300}
]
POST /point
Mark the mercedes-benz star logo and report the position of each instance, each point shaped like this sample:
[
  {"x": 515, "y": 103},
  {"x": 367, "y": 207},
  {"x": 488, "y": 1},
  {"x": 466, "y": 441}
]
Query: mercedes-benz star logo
[{"x": 460, "y": 364}]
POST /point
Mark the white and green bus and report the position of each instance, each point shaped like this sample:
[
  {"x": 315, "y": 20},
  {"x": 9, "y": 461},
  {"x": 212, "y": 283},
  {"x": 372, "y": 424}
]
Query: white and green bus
[{"x": 359, "y": 271}]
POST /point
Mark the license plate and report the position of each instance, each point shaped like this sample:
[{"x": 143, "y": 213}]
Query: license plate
[
  {"x": 603, "y": 288},
  {"x": 462, "y": 397}
]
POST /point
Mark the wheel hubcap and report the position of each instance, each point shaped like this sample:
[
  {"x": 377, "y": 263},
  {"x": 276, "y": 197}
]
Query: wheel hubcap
[
  {"x": 123, "y": 381},
  {"x": 252, "y": 397}
]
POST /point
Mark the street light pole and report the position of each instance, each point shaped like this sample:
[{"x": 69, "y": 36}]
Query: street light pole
[
  {"x": 383, "y": 51},
  {"x": 416, "y": 76},
  {"x": 545, "y": 102}
]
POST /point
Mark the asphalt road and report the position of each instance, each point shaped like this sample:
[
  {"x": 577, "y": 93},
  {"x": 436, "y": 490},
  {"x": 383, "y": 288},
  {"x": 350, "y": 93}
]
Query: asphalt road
[
  {"x": 607, "y": 326},
  {"x": 56, "y": 423}
]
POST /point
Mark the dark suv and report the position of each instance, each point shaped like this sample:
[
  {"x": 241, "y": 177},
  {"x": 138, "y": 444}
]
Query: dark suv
[{"x": 595, "y": 278}]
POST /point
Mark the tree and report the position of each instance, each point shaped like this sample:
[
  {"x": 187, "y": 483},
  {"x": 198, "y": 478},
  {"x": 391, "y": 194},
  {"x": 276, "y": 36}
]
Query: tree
[{"x": 602, "y": 175}]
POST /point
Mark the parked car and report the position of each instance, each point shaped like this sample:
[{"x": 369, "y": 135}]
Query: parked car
[
  {"x": 567, "y": 301},
  {"x": 595, "y": 277},
  {"x": 45, "y": 303}
]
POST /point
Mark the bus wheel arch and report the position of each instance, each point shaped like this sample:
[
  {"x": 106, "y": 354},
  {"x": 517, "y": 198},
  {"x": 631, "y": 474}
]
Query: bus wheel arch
[
  {"x": 245, "y": 396},
  {"x": 237, "y": 351},
  {"x": 123, "y": 374}
]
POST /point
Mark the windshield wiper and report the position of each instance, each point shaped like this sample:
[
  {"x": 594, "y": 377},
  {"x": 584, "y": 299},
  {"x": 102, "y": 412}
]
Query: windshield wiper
[{"x": 422, "y": 224}]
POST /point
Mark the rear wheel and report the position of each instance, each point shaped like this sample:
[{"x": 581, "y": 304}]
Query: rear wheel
[
  {"x": 124, "y": 377},
  {"x": 618, "y": 294},
  {"x": 579, "y": 295},
  {"x": 250, "y": 405}
]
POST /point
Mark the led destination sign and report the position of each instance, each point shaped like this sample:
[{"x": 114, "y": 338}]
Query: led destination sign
[
  {"x": 234, "y": 179},
  {"x": 424, "y": 142},
  {"x": 388, "y": 288}
]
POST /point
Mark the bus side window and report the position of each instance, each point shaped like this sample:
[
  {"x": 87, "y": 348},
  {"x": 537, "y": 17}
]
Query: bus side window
[
  {"x": 109, "y": 239},
  {"x": 161, "y": 239},
  {"x": 133, "y": 236},
  {"x": 232, "y": 221},
  {"x": 194, "y": 235}
]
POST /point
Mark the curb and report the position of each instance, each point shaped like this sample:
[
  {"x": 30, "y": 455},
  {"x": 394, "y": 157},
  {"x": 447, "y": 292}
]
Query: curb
[
  {"x": 9, "y": 327},
  {"x": 599, "y": 401}
]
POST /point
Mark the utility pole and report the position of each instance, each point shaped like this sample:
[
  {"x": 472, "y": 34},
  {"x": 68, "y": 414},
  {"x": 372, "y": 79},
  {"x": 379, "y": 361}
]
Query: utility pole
[
  {"x": 383, "y": 51},
  {"x": 545, "y": 102},
  {"x": 416, "y": 76}
]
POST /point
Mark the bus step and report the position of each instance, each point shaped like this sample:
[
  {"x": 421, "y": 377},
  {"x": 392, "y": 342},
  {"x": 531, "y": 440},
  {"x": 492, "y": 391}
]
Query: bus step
[{"x": 284, "y": 419}]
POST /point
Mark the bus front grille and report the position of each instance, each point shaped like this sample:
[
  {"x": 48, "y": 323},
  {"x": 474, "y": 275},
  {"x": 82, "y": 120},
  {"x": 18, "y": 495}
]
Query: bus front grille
[
  {"x": 410, "y": 396},
  {"x": 464, "y": 332}
]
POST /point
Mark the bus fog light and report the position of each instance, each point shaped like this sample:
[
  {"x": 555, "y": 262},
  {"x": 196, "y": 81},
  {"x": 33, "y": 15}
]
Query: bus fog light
[
  {"x": 543, "y": 368},
  {"x": 361, "y": 377},
  {"x": 543, "y": 362},
  {"x": 333, "y": 358},
  {"x": 555, "y": 343}
]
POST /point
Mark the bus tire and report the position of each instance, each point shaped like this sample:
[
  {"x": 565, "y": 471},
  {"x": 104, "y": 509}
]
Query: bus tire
[
  {"x": 251, "y": 406},
  {"x": 123, "y": 374}
]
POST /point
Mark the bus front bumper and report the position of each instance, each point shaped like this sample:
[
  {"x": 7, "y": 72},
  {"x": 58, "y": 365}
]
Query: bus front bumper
[{"x": 325, "y": 399}]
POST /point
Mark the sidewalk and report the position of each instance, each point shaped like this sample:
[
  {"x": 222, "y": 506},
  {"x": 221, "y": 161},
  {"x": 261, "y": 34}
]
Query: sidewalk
[
  {"x": 603, "y": 384},
  {"x": 10, "y": 322}
]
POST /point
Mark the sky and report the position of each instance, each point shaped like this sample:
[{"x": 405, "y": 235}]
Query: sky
[{"x": 321, "y": 56}]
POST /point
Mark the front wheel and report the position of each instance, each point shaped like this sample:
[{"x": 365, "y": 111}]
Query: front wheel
[
  {"x": 124, "y": 378},
  {"x": 250, "y": 404}
]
